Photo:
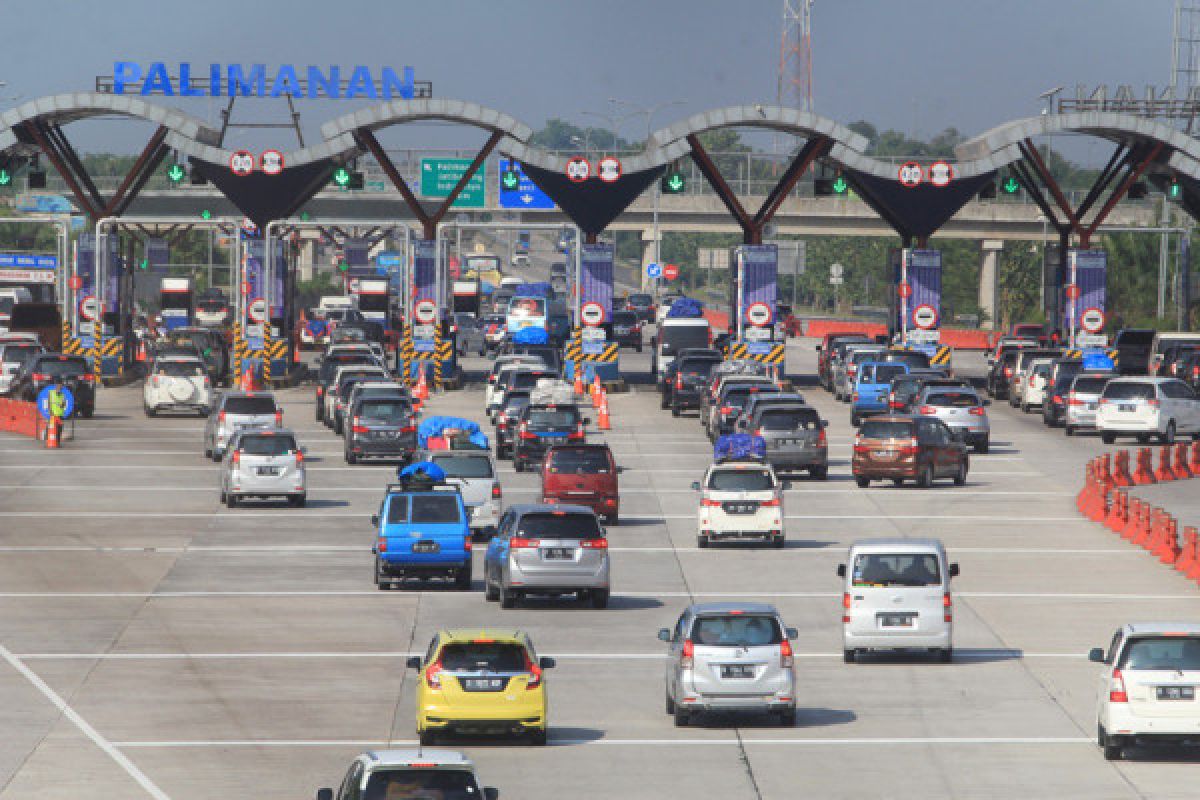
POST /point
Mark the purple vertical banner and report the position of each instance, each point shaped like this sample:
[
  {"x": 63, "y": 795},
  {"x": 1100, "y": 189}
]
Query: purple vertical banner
[
  {"x": 925, "y": 278},
  {"x": 1087, "y": 269},
  {"x": 596, "y": 275},
  {"x": 85, "y": 270},
  {"x": 116, "y": 268},
  {"x": 424, "y": 270},
  {"x": 758, "y": 264},
  {"x": 252, "y": 276},
  {"x": 278, "y": 269}
]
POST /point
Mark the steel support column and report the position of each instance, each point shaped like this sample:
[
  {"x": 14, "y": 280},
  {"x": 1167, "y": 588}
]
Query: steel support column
[
  {"x": 42, "y": 140},
  {"x": 149, "y": 159}
]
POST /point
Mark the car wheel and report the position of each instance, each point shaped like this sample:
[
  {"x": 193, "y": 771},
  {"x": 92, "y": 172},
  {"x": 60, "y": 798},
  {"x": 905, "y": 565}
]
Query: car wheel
[
  {"x": 462, "y": 578},
  {"x": 150, "y": 412},
  {"x": 518, "y": 464},
  {"x": 862, "y": 482},
  {"x": 337, "y": 425},
  {"x": 788, "y": 718},
  {"x": 207, "y": 453},
  {"x": 427, "y": 738},
  {"x": 639, "y": 348},
  {"x": 508, "y": 598},
  {"x": 231, "y": 500},
  {"x": 1113, "y": 748},
  {"x": 960, "y": 477},
  {"x": 819, "y": 473},
  {"x": 351, "y": 458},
  {"x": 663, "y": 402},
  {"x": 675, "y": 410},
  {"x": 702, "y": 542},
  {"x": 1169, "y": 436},
  {"x": 946, "y": 655},
  {"x": 599, "y": 598},
  {"x": 854, "y": 420},
  {"x": 1024, "y": 407},
  {"x": 778, "y": 542},
  {"x": 382, "y": 582},
  {"x": 849, "y": 656},
  {"x": 224, "y": 494},
  {"x": 1108, "y": 438},
  {"x": 298, "y": 500},
  {"x": 490, "y": 593},
  {"x": 1069, "y": 430},
  {"x": 87, "y": 413},
  {"x": 670, "y": 705},
  {"x": 317, "y": 411},
  {"x": 681, "y": 717},
  {"x": 1143, "y": 438},
  {"x": 537, "y": 737},
  {"x": 925, "y": 477}
]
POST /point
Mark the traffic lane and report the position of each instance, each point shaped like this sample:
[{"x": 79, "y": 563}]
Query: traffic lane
[
  {"x": 67, "y": 765},
  {"x": 63, "y": 623}
]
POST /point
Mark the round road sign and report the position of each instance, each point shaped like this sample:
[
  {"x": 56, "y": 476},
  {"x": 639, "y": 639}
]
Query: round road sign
[
  {"x": 1072, "y": 291},
  {"x": 592, "y": 314},
  {"x": 257, "y": 310},
  {"x": 88, "y": 307},
  {"x": 241, "y": 163},
  {"x": 910, "y": 174},
  {"x": 1092, "y": 320},
  {"x": 43, "y": 402},
  {"x": 75, "y": 283},
  {"x": 904, "y": 290},
  {"x": 579, "y": 169},
  {"x": 425, "y": 312},
  {"x": 670, "y": 271},
  {"x": 609, "y": 169},
  {"x": 653, "y": 271},
  {"x": 271, "y": 162},
  {"x": 925, "y": 317},
  {"x": 758, "y": 314},
  {"x": 940, "y": 173}
]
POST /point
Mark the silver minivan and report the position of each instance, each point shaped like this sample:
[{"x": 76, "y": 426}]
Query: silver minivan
[
  {"x": 1082, "y": 401},
  {"x": 261, "y": 462},
  {"x": 730, "y": 657},
  {"x": 794, "y": 435},
  {"x": 962, "y": 409},
  {"x": 896, "y": 596},
  {"x": 548, "y": 550},
  {"x": 233, "y": 409}
]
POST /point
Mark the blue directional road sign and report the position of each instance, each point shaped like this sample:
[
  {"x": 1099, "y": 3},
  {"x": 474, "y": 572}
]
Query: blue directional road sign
[
  {"x": 526, "y": 195},
  {"x": 43, "y": 402},
  {"x": 654, "y": 270}
]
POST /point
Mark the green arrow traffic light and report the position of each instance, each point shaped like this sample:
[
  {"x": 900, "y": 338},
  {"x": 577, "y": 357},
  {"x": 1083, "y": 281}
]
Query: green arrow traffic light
[
  {"x": 343, "y": 266},
  {"x": 840, "y": 185},
  {"x": 510, "y": 179},
  {"x": 206, "y": 214},
  {"x": 176, "y": 173},
  {"x": 1011, "y": 186},
  {"x": 145, "y": 264},
  {"x": 5, "y": 177},
  {"x": 341, "y": 176},
  {"x": 1174, "y": 190},
  {"x": 674, "y": 183}
]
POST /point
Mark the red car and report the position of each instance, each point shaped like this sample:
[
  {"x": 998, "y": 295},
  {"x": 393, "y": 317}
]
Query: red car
[{"x": 582, "y": 474}]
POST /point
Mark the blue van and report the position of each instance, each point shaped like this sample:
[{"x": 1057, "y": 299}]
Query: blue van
[
  {"x": 871, "y": 387},
  {"x": 423, "y": 531}
]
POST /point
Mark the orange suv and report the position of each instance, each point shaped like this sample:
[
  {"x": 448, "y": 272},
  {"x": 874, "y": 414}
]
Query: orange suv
[{"x": 898, "y": 448}]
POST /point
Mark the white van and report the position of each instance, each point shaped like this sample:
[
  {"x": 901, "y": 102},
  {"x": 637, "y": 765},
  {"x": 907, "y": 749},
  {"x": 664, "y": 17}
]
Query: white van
[
  {"x": 897, "y": 597},
  {"x": 675, "y": 334},
  {"x": 10, "y": 297}
]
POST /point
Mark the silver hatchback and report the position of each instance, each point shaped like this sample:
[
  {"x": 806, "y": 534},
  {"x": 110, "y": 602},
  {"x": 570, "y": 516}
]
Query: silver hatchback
[
  {"x": 962, "y": 409},
  {"x": 547, "y": 549},
  {"x": 233, "y": 409},
  {"x": 731, "y": 657},
  {"x": 263, "y": 462}
]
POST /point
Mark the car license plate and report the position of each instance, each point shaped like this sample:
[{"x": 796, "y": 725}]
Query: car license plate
[
  {"x": 1126, "y": 407},
  {"x": 1176, "y": 692},
  {"x": 561, "y": 553},
  {"x": 268, "y": 470},
  {"x": 426, "y": 546},
  {"x": 740, "y": 508},
  {"x": 884, "y": 453},
  {"x": 483, "y": 684},
  {"x": 896, "y": 620},
  {"x": 737, "y": 671}
]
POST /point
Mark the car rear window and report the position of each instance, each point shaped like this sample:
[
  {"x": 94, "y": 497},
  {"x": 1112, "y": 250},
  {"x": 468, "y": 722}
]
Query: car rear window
[
  {"x": 62, "y": 366},
  {"x": 484, "y": 657},
  {"x": 953, "y": 399},
  {"x": 897, "y": 569},
  {"x": 179, "y": 369},
  {"x": 435, "y": 509},
  {"x": 1129, "y": 391},
  {"x": 558, "y": 525},
  {"x": 1089, "y": 385},
  {"x": 788, "y": 419},
  {"x": 740, "y": 480},
  {"x": 881, "y": 373},
  {"x": 698, "y": 368},
  {"x": 639, "y": 299},
  {"x": 19, "y": 354},
  {"x": 880, "y": 429},
  {"x": 736, "y": 630},
  {"x": 261, "y": 445},
  {"x": 391, "y": 411},
  {"x": 738, "y": 396},
  {"x": 443, "y": 784},
  {"x": 578, "y": 460},
  {"x": 460, "y": 466},
  {"x": 546, "y": 418},
  {"x": 1163, "y": 653},
  {"x": 250, "y": 405},
  {"x": 528, "y": 380},
  {"x": 513, "y": 404},
  {"x": 624, "y": 318},
  {"x": 674, "y": 338},
  {"x": 331, "y": 364}
]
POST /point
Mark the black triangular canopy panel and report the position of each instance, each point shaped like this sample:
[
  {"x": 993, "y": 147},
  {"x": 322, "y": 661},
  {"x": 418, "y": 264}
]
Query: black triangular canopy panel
[
  {"x": 263, "y": 197},
  {"x": 592, "y": 204},
  {"x": 920, "y": 210}
]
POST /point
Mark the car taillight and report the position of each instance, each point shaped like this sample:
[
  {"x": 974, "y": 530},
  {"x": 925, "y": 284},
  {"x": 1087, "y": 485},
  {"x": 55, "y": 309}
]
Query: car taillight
[
  {"x": 726, "y": 409},
  {"x": 320, "y": 391},
  {"x": 678, "y": 381},
  {"x": 1116, "y": 688},
  {"x": 854, "y": 397},
  {"x": 1072, "y": 400},
  {"x": 709, "y": 503},
  {"x": 911, "y": 449},
  {"x": 433, "y": 675},
  {"x": 299, "y": 459},
  {"x": 927, "y": 410},
  {"x": 977, "y": 411},
  {"x": 357, "y": 427},
  {"x": 40, "y": 376},
  {"x": 1152, "y": 403},
  {"x": 822, "y": 441},
  {"x": 1196, "y": 372},
  {"x": 758, "y": 432},
  {"x": 772, "y": 503},
  {"x": 524, "y": 433},
  {"x": 88, "y": 377},
  {"x": 947, "y": 607},
  {"x": 1058, "y": 398},
  {"x": 578, "y": 434},
  {"x": 535, "y": 675},
  {"x": 846, "y": 606},
  {"x": 687, "y": 657},
  {"x": 1008, "y": 372},
  {"x": 279, "y": 417},
  {"x": 154, "y": 380},
  {"x": 237, "y": 457},
  {"x": 520, "y": 543},
  {"x": 594, "y": 544},
  {"x": 502, "y": 423},
  {"x": 381, "y": 545},
  {"x": 467, "y": 543},
  {"x": 852, "y": 369},
  {"x": 409, "y": 429},
  {"x": 497, "y": 492},
  {"x": 221, "y": 417},
  {"x": 785, "y": 654}
]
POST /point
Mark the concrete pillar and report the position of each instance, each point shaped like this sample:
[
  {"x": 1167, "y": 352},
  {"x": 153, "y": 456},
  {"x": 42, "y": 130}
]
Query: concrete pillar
[
  {"x": 306, "y": 259},
  {"x": 989, "y": 272},
  {"x": 648, "y": 257}
]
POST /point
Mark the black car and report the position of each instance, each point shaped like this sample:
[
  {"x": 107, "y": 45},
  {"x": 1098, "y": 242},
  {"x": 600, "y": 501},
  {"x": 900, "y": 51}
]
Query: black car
[
  {"x": 627, "y": 329},
  {"x": 686, "y": 378},
  {"x": 46, "y": 369},
  {"x": 1062, "y": 372},
  {"x": 329, "y": 367},
  {"x": 381, "y": 427},
  {"x": 642, "y": 305},
  {"x": 541, "y": 426},
  {"x": 210, "y": 346},
  {"x": 1000, "y": 376},
  {"x": 468, "y": 334},
  {"x": 1189, "y": 370},
  {"x": 507, "y": 419}
]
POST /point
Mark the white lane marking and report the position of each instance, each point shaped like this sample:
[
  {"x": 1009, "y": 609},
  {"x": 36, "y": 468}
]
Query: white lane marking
[
  {"x": 747, "y": 739},
  {"x": 86, "y": 729},
  {"x": 958, "y": 655},
  {"x": 616, "y": 594}
]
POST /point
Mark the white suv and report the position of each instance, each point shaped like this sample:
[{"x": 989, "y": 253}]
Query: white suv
[
  {"x": 1145, "y": 407},
  {"x": 177, "y": 383},
  {"x": 740, "y": 500},
  {"x": 1148, "y": 685},
  {"x": 410, "y": 773}
]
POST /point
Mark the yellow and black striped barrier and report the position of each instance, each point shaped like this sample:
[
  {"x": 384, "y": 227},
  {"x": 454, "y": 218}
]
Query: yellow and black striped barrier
[
  {"x": 607, "y": 355},
  {"x": 70, "y": 344},
  {"x": 942, "y": 356},
  {"x": 443, "y": 352},
  {"x": 741, "y": 351},
  {"x": 240, "y": 350},
  {"x": 406, "y": 353}
]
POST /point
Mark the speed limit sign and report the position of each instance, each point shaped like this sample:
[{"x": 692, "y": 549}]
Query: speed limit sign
[
  {"x": 241, "y": 163},
  {"x": 591, "y": 314},
  {"x": 910, "y": 174}
]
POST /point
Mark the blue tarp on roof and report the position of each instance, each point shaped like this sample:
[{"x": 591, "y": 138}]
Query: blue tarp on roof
[
  {"x": 736, "y": 446},
  {"x": 531, "y": 336},
  {"x": 532, "y": 290},
  {"x": 436, "y": 426},
  {"x": 427, "y": 468},
  {"x": 685, "y": 308}
]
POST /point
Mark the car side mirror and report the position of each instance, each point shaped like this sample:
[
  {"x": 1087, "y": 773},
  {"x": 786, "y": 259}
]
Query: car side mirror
[
  {"x": 413, "y": 662},
  {"x": 545, "y": 662},
  {"x": 841, "y": 570},
  {"x": 824, "y": 423},
  {"x": 490, "y": 793},
  {"x": 695, "y": 486},
  {"x": 374, "y": 519},
  {"x": 324, "y": 794},
  {"x": 954, "y": 570},
  {"x": 1096, "y": 655},
  {"x": 791, "y": 633},
  {"x": 664, "y": 635}
]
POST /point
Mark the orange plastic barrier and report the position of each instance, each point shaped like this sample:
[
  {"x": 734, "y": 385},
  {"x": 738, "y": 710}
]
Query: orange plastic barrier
[
  {"x": 966, "y": 339},
  {"x": 719, "y": 320},
  {"x": 817, "y": 328},
  {"x": 18, "y": 416}
]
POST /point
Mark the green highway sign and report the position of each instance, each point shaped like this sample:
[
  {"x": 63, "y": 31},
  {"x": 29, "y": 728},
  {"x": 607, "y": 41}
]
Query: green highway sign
[
  {"x": 439, "y": 176},
  {"x": 1011, "y": 186},
  {"x": 206, "y": 214}
]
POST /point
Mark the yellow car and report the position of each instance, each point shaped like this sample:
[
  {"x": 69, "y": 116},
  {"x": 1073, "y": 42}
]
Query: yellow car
[{"x": 481, "y": 682}]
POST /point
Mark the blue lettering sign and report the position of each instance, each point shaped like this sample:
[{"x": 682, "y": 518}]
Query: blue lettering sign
[
  {"x": 317, "y": 82},
  {"x": 285, "y": 82},
  {"x": 361, "y": 84},
  {"x": 252, "y": 84},
  {"x": 237, "y": 80},
  {"x": 125, "y": 72},
  {"x": 398, "y": 86},
  {"x": 185, "y": 82},
  {"x": 157, "y": 80}
]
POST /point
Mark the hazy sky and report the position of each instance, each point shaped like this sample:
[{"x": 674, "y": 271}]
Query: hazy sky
[{"x": 915, "y": 65}]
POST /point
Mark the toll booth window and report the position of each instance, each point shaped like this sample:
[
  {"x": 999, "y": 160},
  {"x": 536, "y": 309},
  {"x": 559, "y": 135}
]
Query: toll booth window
[
  {"x": 435, "y": 509},
  {"x": 267, "y": 445}
]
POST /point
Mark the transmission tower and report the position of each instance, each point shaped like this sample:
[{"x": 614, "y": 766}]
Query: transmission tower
[
  {"x": 795, "y": 87},
  {"x": 1185, "y": 54}
]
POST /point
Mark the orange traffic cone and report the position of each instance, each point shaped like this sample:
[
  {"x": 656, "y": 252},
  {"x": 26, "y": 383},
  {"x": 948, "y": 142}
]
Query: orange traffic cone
[
  {"x": 596, "y": 390},
  {"x": 248, "y": 380},
  {"x": 52, "y": 432},
  {"x": 421, "y": 392},
  {"x": 141, "y": 351},
  {"x": 603, "y": 422},
  {"x": 578, "y": 381}
]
